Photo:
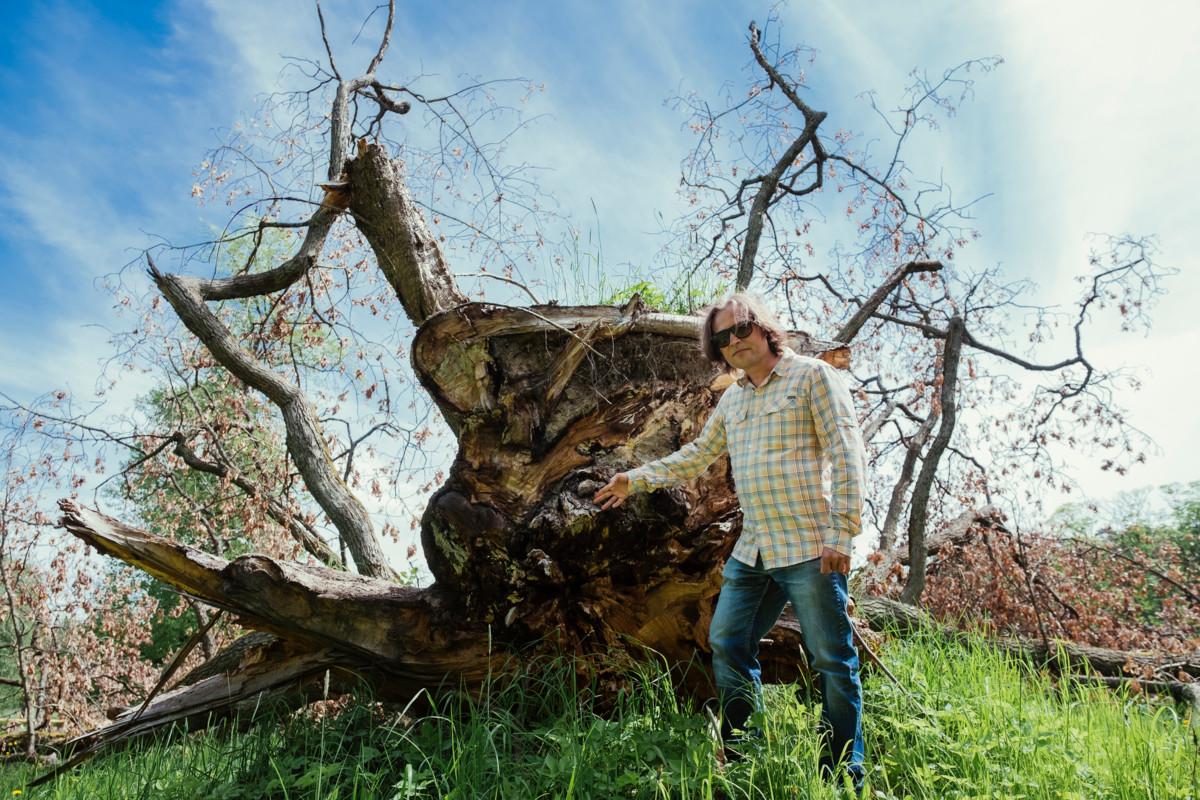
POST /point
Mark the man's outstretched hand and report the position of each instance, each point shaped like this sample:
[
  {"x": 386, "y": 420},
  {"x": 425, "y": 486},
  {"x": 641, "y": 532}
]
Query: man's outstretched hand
[
  {"x": 833, "y": 561},
  {"x": 613, "y": 493}
]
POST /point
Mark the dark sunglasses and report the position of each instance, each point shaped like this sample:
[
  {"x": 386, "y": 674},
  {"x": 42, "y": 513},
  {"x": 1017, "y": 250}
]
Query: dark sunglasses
[{"x": 741, "y": 330}]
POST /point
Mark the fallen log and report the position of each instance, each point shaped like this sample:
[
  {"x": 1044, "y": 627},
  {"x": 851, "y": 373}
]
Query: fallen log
[
  {"x": 330, "y": 631},
  {"x": 400, "y": 640},
  {"x": 547, "y": 402},
  {"x": 1057, "y": 655},
  {"x": 282, "y": 680},
  {"x": 1186, "y": 693},
  {"x": 365, "y": 620}
]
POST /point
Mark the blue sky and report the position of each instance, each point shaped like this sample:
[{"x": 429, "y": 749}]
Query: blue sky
[{"x": 108, "y": 107}]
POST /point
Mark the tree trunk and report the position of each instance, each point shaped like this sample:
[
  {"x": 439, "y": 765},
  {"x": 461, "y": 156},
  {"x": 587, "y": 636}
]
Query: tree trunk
[
  {"x": 547, "y": 402},
  {"x": 920, "y": 500}
]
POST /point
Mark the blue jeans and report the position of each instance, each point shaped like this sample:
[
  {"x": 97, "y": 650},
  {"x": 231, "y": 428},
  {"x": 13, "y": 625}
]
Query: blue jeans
[{"x": 752, "y": 598}]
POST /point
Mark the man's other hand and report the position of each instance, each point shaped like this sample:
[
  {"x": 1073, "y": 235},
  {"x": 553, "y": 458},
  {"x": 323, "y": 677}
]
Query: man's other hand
[
  {"x": 831, "y": 560},
  {"x": 613, "y": 493}
]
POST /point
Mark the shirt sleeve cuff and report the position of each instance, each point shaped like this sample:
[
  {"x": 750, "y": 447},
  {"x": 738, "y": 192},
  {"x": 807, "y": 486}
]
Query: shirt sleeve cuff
[
  {"x": 636, "y": 482},
  {"x": 840, "y": 541}
]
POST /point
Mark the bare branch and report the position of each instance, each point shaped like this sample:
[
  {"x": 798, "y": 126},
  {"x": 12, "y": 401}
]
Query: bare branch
[
  {"x": 304, "y": 439},
  {"x": 325, "y": 40},
  {"x": 383, "y": 43},
  {"x": 867, "y": 309},
  {"x": 770, "y": 181},
  {"x": 509, "y": 281},
  {"x": 308, "y": 538}
]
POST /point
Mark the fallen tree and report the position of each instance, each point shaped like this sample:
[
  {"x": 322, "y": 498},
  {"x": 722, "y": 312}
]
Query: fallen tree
[
  {"x": 545, "y": 403},
  {"x": 331, "y": 628}
]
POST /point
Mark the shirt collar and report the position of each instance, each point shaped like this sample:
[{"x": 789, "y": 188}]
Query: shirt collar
[{"x": 782, "y": 367}]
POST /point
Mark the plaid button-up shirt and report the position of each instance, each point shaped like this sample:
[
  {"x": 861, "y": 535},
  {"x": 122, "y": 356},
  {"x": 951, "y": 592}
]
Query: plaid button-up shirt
[{"x": 797, "y": 457}]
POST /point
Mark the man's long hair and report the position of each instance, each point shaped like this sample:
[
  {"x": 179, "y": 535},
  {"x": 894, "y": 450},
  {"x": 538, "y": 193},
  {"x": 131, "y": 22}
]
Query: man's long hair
[{"x": 746, "y": 307}]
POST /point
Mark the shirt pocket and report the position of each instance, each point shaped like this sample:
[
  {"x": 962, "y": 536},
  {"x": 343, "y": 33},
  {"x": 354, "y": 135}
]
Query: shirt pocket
[
  {"x": 738, "y": 434},
  {"x": 779, "y": 428}
]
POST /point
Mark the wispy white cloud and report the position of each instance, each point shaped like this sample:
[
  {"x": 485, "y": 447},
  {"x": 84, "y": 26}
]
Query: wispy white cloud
[
  {"x": 67, "y": 355},
  {"x": 1100, "y": 142},
  {"x": 1103, "y": 142},
  {"x": 1074, "y": 134},
  {"x": 1082, "y": 130},
  {"x": 100, "y": 167}
]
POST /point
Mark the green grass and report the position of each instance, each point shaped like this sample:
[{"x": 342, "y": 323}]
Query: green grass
[{"x": 970, "y": 723}]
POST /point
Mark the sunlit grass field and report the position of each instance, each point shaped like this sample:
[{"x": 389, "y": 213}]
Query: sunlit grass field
[{"x": 968, "y": 723}]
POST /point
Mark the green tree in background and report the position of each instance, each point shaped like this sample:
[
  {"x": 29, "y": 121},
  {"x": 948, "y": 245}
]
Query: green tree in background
[
  {"x": 211, "y": 470},
  {"x": 1155, "y": 528}
]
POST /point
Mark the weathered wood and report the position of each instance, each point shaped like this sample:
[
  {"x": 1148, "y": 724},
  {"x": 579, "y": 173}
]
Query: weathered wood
[
  {"x": 408, "y": 631},
  {"x": 407, "y": 252},
  {"x": 283, "y": 680},
  {"x": 416, "y": 639},
  {"x": 305, "y": 441},
  {"x": 547, "y": 402}
]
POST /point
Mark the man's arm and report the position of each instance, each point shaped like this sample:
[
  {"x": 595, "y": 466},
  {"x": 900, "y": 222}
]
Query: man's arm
[
  {"x": 840, "y": 437},
  {"x": 686, "y": 462}
]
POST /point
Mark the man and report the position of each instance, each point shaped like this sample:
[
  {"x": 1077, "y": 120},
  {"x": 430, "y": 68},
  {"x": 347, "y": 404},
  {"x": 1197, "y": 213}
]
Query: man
[{"x": 786, "y": 419}]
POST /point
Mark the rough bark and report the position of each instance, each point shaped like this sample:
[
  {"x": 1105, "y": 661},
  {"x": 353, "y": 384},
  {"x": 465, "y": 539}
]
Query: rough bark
[
  {"x": 366, "y": 620},
  {"x": 549, "y": 402},
  {"x": 521, "y": 555},
  {"x": 328, "y": 627},
  {"x": 920, "y": 499},
  {"x": 406, "y": 251},
  {"x": 512, "y": 537}
]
